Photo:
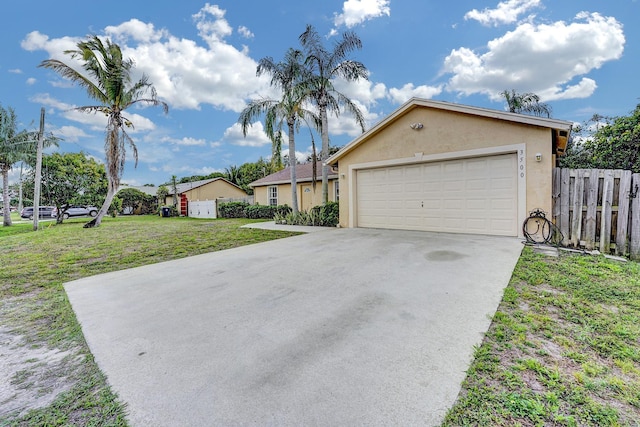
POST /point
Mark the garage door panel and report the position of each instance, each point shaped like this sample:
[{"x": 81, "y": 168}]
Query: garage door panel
[{"x": 477, "y": 195}]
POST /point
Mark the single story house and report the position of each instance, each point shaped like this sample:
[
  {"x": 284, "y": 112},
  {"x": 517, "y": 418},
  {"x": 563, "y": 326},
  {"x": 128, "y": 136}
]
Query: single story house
[
  {"x": 439, "y": 166},
  {"x": 275, "y": 189},
  {"x": 150, "y": 190},
  {"x": 206, "y": 189}
]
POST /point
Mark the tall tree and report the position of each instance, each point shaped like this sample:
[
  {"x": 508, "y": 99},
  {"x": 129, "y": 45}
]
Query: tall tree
[
  {"x": 612, "y": 143},
  {"x": 72, "y": 179},
  {"x": 108, "y": 80},
  {"x": 528, "y": 103},
  {"x": 10, "y": 153},
  {"x": 14, "y": 147},
  {"x": 232, "y": 174},
  {"x": 324, "y": 67},
  {"x": 288, "y": 76}
]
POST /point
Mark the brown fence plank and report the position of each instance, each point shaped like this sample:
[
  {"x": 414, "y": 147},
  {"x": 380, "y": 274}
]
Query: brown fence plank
[
  {"x": 555, "y": 195},
  {"x": 592, "y": 209},
  {"x": 564, "y": 204},
  {"x": 634, "y": 241},
  {"x": 605, "y": 218},
  {"x": 576, "y": 205},
  {"x": 623, "y": 213}
]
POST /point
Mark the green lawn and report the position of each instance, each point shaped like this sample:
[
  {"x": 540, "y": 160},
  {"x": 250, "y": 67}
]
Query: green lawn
[
  {"x": 563, "y": 348},
  {"x": 51, "y": 352}
]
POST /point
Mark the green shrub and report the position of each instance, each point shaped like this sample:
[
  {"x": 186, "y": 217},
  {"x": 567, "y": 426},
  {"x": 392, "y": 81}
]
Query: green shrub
[
  {"x": 330, "y": 214},
  {"x": 282, "y": 209},
  {"x": 325, "y": 215},
  {"x": 259, "y": 211},
  {"x": 232, "y": 209}
]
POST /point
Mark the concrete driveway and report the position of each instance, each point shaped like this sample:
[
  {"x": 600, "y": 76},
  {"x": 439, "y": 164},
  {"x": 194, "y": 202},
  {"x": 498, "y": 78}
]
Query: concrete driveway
[{"x": 343, "y": 327}]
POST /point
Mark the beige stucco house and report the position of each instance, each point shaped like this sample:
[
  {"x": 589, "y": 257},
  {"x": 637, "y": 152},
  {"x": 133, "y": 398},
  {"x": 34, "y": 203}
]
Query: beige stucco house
[
  {"x": 275, "y": 189},
  {"x": 207, "y": 189},
  {"x": 439, "y": 166}
]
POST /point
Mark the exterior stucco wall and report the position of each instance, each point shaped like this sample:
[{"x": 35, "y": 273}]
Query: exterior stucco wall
[
  {"x": 215, "y": 190},
  {"x": 261, "y": 194},
  {"x": 210, "y": 191},
  {"x": 446, "y": 135}
]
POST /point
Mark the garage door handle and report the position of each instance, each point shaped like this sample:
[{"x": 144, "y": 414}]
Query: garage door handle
[{"x": 422, "y": 204}]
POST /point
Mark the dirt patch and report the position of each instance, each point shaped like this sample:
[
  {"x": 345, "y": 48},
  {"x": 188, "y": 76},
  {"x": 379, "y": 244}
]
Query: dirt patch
[{"x": 31, "y": 376}]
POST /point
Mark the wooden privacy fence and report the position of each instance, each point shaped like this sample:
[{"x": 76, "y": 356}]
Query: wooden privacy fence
[{"x": 598, "y": 209}]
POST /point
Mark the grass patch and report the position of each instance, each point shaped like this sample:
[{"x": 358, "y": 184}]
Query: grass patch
[
  {"x": 563, "y": 348},
  {"x": 36, "y": 312}
]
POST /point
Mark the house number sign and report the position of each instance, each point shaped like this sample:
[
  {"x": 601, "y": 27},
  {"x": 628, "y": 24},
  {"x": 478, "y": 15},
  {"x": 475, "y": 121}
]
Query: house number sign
[{"x": 521, "y": 167}]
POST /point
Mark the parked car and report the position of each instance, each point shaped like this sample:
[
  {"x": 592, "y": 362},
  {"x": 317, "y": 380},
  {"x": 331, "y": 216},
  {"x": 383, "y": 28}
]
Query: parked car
[
  {"x": 45, "y": 212},
  {"x": 78, "y": 211}
]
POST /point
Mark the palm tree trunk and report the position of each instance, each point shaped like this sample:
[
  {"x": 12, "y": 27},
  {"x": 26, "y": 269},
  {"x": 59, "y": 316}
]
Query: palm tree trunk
[
  {"x": 292, "y": 165},
  {"x": 6, "y": 202},
  {"x": 111, "y": 192},
  {"x": 325, "y": 153}
]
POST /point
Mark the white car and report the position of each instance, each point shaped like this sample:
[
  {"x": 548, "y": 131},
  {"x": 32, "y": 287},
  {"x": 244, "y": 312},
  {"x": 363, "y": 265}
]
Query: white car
[{"x": 77, "y": 211}]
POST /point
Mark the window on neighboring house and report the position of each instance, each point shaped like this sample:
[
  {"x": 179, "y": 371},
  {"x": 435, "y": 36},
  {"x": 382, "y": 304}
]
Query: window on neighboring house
[
  {"x": 273, "y": 196},
  {"x": 336, "y": 188}
]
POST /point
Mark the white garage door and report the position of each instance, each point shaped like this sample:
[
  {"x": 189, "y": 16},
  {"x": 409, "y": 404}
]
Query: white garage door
[{"x": 475, "y": 195}]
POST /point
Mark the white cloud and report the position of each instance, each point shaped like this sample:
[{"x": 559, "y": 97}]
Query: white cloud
[
  {"x": 255, "y": 136},
  {"x": 135, "y": 29},
  {"x": 409, "y": 91},
  {"x": 185, "y": 74},
  {"x": 95, "y": 121},
  {"x": 38, "y": 41},
  {"x": 544, "y": 59},
  {"x": 355, "y": 12},
  {"x": 69, "y": 133},
  {"x": 506, "y": 12},
  {"x": 213, "y": 31},
  {"x": 365, "y": 91},
  {"x": 245, "y": 32},
  {"x": 187, "y": 170},
  {"x": 31, "y": 81},
  {"x": 15, "y": 71},
  {"x": 186, "y": 141}
]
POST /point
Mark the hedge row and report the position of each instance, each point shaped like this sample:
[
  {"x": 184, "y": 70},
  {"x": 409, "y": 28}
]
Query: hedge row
[{"x": 245, "y": 210}]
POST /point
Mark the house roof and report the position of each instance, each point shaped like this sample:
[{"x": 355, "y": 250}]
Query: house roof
[
  {"x": 147, "y": 189},
  {"x": 457, "y": 108},
  {"x": 186, "y": 186},
  {"x": 304, "y": 173}
]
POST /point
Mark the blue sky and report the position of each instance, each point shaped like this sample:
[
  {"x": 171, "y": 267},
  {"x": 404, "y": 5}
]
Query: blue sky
[{"x": 580, "y": 57}]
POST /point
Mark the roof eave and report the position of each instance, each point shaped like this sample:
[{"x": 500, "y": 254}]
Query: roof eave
[{"x": 459, "y": 108}]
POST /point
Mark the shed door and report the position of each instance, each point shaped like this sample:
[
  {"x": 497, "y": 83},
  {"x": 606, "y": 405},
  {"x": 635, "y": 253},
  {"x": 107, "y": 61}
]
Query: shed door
[{"x": 476, "y": 195}]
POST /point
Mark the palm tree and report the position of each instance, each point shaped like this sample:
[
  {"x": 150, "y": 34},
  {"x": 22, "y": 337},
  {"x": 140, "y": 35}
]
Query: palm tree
[
  {"x": 232, "y": 174},
  {"x": 525, "y": 103},
  {"x": 10, "y": 153},
  {"x": 15, "y": 147},
  {"x": 324, "y": 66},
  {"x": 289, "y": 77},
  {"x": 108, "y": 81}
]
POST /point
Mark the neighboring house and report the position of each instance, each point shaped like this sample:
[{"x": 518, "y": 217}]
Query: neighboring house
[
  {"x": 439, "y": 166},
  {"x": 207, "y": 189},
  {"x": 275, "y": 189},
  {"x": 147, "y": 189}
]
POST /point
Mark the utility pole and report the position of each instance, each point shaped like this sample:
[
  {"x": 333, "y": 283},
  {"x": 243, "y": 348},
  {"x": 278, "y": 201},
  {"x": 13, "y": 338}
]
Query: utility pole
[
  {"x": 20, "y": 204},
  {"x": 38, "y": 178}
]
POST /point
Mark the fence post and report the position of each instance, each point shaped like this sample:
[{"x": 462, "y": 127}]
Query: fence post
[
  {"x": 622, "y": 230},
  {"x": 590, "y": 223},
  {"x": 555, "y": 195},
  {"x": 576, "y": 203},
  {"x": 564, "y": 205},
  {"x": 605, "y": 218},
  {"x": 634, "y": 244}
]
